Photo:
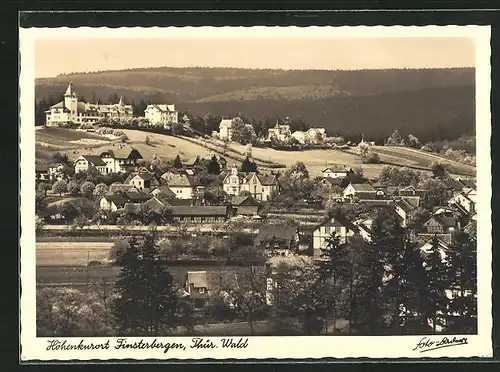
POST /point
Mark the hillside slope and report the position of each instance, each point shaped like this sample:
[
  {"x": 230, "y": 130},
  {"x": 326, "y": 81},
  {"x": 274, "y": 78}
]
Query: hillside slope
[{"x": 431, "y": 103}]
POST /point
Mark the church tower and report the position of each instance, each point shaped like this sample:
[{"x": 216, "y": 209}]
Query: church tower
[{"x": 71, "y": 102}]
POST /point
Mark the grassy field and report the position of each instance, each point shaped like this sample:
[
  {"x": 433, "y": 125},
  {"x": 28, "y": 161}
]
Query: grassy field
[
  {"x": 168, "y": 147},
  {"x": 71, "y": 253},
  {"x": 49, "y": 274},
  {"x": 315, "y": 160},
  {"x": 75, "y": 144},
  {"x": 413, "y": 157}
]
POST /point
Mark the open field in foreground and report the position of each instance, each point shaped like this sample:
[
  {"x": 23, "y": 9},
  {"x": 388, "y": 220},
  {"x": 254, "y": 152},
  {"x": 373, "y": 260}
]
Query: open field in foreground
[
  {"x": 79, "y": 275},
  {"x": 71, "y": 253}
]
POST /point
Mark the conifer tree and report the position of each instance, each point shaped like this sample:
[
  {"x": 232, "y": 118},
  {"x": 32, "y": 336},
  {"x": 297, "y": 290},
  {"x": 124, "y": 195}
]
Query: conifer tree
[
  {"x": 213, "y": 166},
  {"x": 332, "y": 268},
  {"x": 463, "y": 275},
  {"x": 248, "y": 166},
  {"x": 436, "y": 284},
  {"x": 178, "y": 162},
  {"x": 146, "y": 300}
]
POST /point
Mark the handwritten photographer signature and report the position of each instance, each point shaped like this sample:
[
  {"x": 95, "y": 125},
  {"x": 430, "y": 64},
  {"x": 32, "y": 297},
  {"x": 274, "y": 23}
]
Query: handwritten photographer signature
[{"x": 426, "y": 344}]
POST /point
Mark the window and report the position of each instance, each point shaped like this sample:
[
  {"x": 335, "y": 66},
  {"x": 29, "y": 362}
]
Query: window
[{"x": 202, "y": 290}]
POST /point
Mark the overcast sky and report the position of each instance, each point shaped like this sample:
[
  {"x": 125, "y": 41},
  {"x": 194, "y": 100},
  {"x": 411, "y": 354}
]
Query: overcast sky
[{"x": 56, "y": 56}]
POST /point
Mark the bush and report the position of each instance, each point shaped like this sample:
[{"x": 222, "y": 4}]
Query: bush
[{"x": 117, "y": 250}]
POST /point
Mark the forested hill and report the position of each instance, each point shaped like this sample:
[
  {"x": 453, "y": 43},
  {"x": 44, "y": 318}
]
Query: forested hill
[{"x": 428, "y": 102}]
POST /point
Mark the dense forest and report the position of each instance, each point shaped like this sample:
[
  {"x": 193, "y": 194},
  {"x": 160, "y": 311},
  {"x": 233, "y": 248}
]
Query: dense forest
[{"x": 434, "y": 104}]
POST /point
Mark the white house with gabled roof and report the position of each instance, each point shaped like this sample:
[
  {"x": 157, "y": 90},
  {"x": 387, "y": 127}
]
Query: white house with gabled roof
[{"x": 164, "y": 114}]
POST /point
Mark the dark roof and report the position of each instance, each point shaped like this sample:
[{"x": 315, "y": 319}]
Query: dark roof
[
  {"x": 118, "y": 199},
  {"x": 197, "y": 278},
  {"x": 333, "y": 181},
  {"x": 405, "y": 205},
  {"x": 444, "y": 221},
  {"x": 182, "y": 180},
  {"x": 453, "y": 184},
  {"x": 376, "y": 203},
  {"x": 336, "y": 168},
  {"x": 198, "y": 210},
  {"x": 246, "y": 200},
  {"x": 132, "y": 207},
  {"x": 165, "y": 192},
  {"x": 94, "y": 160},
  {"x": 468, "y": 183},
  {"x": 363, "y": 187},
  {"x": 123, "y": 152},
  {"x": 41, "y": 168},
  {"x": 180, "y": 202},
  {"x": 155, "y": 204},
  {"x": 267, "y": 180},
  {"x": 139, "y": 196},
  {"x": 279, "y": 231}
]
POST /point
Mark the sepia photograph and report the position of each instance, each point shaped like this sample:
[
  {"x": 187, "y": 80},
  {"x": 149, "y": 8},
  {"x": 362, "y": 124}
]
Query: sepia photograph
[{"x": 204, "y": 189}]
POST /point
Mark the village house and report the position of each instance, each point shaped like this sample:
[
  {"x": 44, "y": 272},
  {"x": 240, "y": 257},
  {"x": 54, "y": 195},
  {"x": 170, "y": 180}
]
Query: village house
[
  {"x": 440, "y": 224},
  {"x": 332, "y": 182},
  {"x": 163, "y": 114},
  {"x": 70, "y": 109},
  {"x": 261, "y": 187},
  {"x": 277, "y": 239},
  {"x": 122, "y": 159},
  {"x": 336, "y": 171},
  {"x": 245, "y": 205},
  {"x": 163, "y": 193},
  {"x": 185, "y": 186},
  {"x": 279, "y": 132},
  {"x": 465, "y": 200},
  {"x": 56, "y": 171},
  {"x": 197, "y": 287},
  {"x": 364, "y": 224},
  {"x": 84, "y": 162},
  {"x": 156, "y": 205},
  {"x": 199, "y": 214},
  {"x": 453, "y": 187},
  {"x": 112, "y": 202},
  {"x": 143, "y": 180},
  {"x": 359, "y": 191},
  {"x": 404, "y": 208},
  {"x": 412, "y": 191},
  {"x": 42, "y": 172},
  {"x": 225, "y": 129},
  {"x": 324, "y": 231}
]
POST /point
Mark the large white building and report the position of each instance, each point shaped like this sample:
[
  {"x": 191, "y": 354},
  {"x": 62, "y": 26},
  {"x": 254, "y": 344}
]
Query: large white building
[
  {"x": 161, "y": 114},
  {"x": 225, "y": 129},
  {"x": 261, "y": 187},
  {"x": 121, "y": 159},
  {"x": 70, "y": 109},
  {"x": 312, "y": 136}
]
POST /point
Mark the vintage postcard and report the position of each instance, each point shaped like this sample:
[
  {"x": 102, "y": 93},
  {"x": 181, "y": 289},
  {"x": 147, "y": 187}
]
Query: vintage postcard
[{"x": 262, "y": 192}]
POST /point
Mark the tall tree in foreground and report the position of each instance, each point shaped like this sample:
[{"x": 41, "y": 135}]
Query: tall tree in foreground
[
  {"x": 437, "y": 282},
  {"x": 463, "y": 262},
  {"x": 146, "y": 300},
  {"x": 332, "y": 268}
]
